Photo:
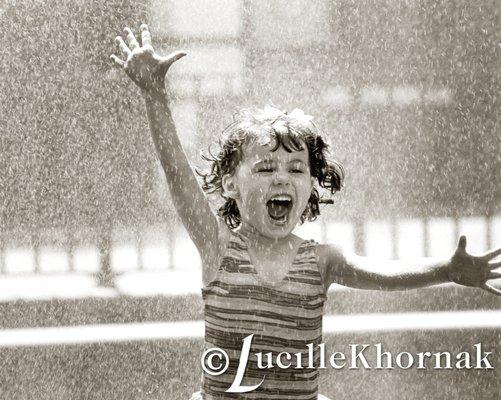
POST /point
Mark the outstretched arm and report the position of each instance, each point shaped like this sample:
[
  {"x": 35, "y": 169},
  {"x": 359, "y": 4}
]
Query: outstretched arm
[
  {"x": 367, "y": 273},
  {"x": 147, "y": 69}
]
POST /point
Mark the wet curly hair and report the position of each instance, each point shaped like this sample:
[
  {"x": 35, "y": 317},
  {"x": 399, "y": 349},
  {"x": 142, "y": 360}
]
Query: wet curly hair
[{"x": 276, "y": 128}]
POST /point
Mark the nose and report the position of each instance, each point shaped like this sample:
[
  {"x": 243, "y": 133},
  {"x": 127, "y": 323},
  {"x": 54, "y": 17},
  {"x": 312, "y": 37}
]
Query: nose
[{"x": 281, "y": 178}]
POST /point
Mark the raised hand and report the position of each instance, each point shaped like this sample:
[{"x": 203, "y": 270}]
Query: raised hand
[
  {"x": 146, "y": 68},
  {"x": 469, "y": 270}
]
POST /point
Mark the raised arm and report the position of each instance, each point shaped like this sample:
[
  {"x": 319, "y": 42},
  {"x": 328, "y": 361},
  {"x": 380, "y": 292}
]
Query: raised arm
[
  {"x": 147, "y": 69},
  {"x": 368, "y": 273}
]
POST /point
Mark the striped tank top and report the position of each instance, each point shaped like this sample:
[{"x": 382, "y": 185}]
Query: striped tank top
[{"x": 283, "y": 317}]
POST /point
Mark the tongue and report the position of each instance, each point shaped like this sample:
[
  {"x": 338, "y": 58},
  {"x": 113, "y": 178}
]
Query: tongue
[{"x": 278, "y": 209}]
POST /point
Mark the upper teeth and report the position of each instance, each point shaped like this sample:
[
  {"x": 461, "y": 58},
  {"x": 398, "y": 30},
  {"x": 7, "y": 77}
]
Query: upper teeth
[{"x": 282, "y": 197}]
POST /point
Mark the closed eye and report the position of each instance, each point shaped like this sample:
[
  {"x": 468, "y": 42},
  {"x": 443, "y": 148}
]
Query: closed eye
[
  {"x": 265, "y": 169},
  {"x": 297, "y": 171}
]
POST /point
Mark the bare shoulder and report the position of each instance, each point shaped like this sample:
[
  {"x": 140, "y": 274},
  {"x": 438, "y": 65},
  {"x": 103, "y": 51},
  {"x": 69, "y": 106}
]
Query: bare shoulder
[
  {"x": 330, "y": 258},
  {"x": 211, "y": 263}
]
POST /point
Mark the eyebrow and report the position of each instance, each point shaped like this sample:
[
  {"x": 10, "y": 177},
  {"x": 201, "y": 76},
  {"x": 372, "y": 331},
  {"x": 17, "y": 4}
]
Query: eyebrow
[
  {"x": 297, "y": 160},
  {"x": 267, "y": 161}
]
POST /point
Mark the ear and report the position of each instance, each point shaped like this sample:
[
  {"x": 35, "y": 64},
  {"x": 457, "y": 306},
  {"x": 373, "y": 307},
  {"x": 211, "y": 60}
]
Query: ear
[{"x": 229, "y": 187}]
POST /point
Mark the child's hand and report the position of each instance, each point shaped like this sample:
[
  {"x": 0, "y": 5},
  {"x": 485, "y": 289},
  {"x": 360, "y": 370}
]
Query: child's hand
[
  {"x": 146, "y": 68},
  {"x": 469, "y": 270}
]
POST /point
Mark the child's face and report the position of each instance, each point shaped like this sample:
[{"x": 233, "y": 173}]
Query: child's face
[{"x": 271, "y": 188}]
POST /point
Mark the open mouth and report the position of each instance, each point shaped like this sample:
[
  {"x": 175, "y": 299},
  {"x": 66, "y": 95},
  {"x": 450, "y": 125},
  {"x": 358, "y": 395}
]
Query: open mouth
[{"x": 279, "y": 207}]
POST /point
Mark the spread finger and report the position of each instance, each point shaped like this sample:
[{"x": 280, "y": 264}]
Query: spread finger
[
  {"x": 491, "y": 289},
  {"x": 122, "y": 45},
  {"x": 133, "y": 43},
  {"x": 145, "y": 35},
  {"x": 117, "y": 60}
]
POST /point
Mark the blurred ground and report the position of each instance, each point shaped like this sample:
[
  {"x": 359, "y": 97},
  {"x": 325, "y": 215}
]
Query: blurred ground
[{"x": 170, "y": 369}]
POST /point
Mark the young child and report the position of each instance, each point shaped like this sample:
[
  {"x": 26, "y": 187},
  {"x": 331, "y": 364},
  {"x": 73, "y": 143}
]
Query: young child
[{"x": 260, "y": 279}]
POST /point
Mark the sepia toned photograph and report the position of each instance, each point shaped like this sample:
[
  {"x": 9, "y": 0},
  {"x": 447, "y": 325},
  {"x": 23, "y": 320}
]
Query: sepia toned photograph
[{"x": 250, "y": 199}]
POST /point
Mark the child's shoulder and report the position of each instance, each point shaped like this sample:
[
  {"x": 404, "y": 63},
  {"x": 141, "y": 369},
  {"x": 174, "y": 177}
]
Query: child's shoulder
[
  {"x": 212, "y": 262},
  {"x": 329, "y": 256}
]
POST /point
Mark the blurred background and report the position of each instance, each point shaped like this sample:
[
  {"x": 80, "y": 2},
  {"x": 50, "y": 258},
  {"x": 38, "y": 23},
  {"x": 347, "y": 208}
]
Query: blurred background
[{"x": 406, "y": 92}]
